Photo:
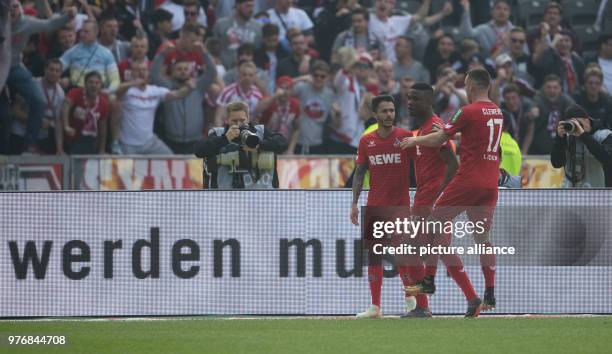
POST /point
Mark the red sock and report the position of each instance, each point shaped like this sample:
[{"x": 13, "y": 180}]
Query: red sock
[
  {"x": 422, "y": 301},
  {"x": 487, "y": 261},
  {"x": 405, "y": 276},
  {"x": 463, "y": 281},
  {"x": 454, "y": 265},
  {"x": 375, "y": 278},
  {"x": 417, "y": 273},
  {"x": 431, "y": 265}
]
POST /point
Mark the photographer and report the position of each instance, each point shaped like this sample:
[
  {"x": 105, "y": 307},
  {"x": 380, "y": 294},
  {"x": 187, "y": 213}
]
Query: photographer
[
  {"x": 240, "y": 155},
  {"x": 583, "y": 149}
]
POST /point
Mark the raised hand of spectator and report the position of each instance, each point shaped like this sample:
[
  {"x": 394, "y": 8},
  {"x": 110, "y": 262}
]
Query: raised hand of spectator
[
  {"x": 448, "y": 8},
  {"x": 71, "y": 11},
  {"x": 138, "y": 25},
  {"x": 502, "y": 74},
  {"x": 343, "y": 11},
  {"x": 192, "y": 84},
  {"x": 465, "y": 4},
  {"x": 534, "y": 113},
  {"x": 544, "y": 29},
  {"x": 198, "y": 45}
]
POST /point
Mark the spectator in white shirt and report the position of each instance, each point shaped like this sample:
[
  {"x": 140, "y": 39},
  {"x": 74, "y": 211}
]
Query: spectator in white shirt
[
  {"x": 139, "y": 103},
  {"x": 285, "y": 16},
  {"x": 244, "y": 90},
  {"x": 388, "y": 28},
  {"x": 350, "y": 86},
  {"x": 177, "y": 9},
  {"x": 604, "y": 59}
]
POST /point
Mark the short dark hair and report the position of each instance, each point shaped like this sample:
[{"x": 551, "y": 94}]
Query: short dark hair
[
  {"x": 553, "y": 5},
  {"x": 575, "y": 111},
  {"x": 603, "y": 39},
  {"x": 53, "y": 61},
  {"x": 161, "y": 15},
  {"x": 269, "y": 29},
  {"x": 246, "y": 48},
  {"x": 376, "y": 101},
  {"x": 91, "y": 74},
  {"x": 213, "y": 46},
  {"x": 517, "y": 29},
  {"x": 479, "y": 77},
  {"x": 190, "y": 28},
  {"x": 510, "y": 88},
  {"x": 106, "y": 17},
  {"x": 497, "y": 2},
  {"x": 69, "y": 28},
  {"x": 319, "y": 65},
  {"x": 407, "y": 39},
  {"x": 191, "y": 3},
  {"x": 423, "y": 86},
  {"x": 361, "y": 11},
  {"x": 552, "y": 77}
]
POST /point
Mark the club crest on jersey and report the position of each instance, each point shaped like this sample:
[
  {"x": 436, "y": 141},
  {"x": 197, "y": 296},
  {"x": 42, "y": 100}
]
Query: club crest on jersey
[
  {"x": 456, "y": 116},
  {"x": 397, "y": 143},
  {"x": 371, "y": 143}
]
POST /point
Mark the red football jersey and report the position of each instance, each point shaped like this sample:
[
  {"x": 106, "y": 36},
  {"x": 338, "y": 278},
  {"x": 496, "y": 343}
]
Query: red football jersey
[
  {"x": 480, "y": 124},
  {"x": 85, "y": 118},
  {"x": 194, "y": 58},
  {"x": 430, "y": 168},
  {"x": 389, "y": 167}
]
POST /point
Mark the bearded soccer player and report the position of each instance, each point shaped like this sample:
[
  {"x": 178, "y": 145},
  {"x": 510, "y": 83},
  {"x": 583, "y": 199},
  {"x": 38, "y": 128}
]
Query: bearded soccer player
[
  {"x": 435, "y": 167},
  {"x": 381, "y": 154},
  {"x": 474, "y": 188}
]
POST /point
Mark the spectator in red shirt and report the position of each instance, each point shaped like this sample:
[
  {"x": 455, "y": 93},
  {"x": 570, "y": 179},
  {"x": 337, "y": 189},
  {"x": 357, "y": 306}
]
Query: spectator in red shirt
[
  {"x": 281, "y": 112},
  {"x": 184, "y": 50},
  {"x": 85, "y": 114},
  {"x": 140, "y": 47}
]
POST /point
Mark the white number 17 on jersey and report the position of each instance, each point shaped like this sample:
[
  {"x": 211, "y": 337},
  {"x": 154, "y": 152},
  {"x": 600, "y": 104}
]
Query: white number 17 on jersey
[{"x": 491, "y": 123}]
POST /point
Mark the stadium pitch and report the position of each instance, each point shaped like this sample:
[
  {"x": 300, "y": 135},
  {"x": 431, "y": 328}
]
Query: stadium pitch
[{"x": 445, "y": 334}]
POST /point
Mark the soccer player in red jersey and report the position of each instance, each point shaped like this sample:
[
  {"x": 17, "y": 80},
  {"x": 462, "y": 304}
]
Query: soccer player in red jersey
[
  {"x": 381, "y": 154},
  {"x": 474, "y": 188},
  {"x": 435, "y": 167}
]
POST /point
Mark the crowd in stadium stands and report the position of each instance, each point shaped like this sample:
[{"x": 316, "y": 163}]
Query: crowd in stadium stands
[{"x": 152, "y": 76}]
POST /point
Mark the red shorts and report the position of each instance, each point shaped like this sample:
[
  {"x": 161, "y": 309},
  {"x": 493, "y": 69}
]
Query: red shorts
[{"x": 478, "y": 203}]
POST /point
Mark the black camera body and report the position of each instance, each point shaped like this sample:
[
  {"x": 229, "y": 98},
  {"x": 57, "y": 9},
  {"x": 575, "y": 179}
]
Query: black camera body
[
  {"x": 569, "y": 126},
  {"x": 247, "y": 137}
]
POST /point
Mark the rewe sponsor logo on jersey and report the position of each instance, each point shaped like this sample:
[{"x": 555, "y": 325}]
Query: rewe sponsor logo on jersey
[{"x": 386, "y": 159}]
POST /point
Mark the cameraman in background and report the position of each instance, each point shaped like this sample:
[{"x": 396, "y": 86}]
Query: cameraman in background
[
  {"x": 584, "y": 148},
  {"x": 240, "y": 155}
]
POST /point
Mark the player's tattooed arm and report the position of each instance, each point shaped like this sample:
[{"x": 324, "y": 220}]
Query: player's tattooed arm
[
  {"x": 360, "y": 171},
  {"x": 450, "y": 160}
]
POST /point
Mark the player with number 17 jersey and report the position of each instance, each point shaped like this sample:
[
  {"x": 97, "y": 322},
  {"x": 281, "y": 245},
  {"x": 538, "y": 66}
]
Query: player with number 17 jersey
[{"x": 480, "y": 124}]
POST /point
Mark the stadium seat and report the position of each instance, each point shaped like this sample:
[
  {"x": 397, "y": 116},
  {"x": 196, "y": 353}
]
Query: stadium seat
[
  {"x": 588, "y": 37},
  {"x": 531, "y": 11},
  {"x": 581, "y": 12}
]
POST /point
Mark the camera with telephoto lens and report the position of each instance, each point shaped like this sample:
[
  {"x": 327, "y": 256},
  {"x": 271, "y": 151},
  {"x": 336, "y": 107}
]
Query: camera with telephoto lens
[
  {"x": 569, "y": 126},
  {"x": 247, "y": 137}
]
